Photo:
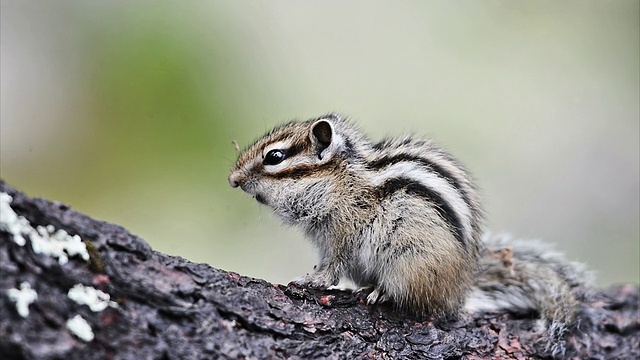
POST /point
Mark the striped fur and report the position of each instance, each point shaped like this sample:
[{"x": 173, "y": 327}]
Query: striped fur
[{"x": 400, "y": 216}]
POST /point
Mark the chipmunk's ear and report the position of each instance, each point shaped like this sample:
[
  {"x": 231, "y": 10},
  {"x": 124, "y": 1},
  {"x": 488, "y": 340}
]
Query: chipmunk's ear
[{"x": 321, "y": 135}]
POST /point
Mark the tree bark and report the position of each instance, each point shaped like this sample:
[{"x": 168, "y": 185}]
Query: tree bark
[{"x": 166, "y": 307}]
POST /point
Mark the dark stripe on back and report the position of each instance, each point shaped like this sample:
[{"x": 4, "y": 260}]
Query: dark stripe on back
[
  {"x": 381, "y": 144},
  {"x": 442, "y": 172},
  {"x": 391, "y": 186},
  {"x": 349, "y": 147}
]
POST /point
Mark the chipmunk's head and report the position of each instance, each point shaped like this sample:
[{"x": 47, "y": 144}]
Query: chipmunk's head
[{"x": 294, "y": 167}]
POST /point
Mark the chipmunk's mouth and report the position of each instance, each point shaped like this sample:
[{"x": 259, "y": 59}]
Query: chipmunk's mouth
[{"x": 259, "y": 198}]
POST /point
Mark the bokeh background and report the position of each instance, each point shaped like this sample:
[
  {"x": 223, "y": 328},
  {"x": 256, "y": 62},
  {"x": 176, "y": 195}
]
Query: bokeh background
[{"x": 126, "y": 111}]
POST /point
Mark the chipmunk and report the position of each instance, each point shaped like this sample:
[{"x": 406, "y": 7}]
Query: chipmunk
[{"x": 402, "y": 217}]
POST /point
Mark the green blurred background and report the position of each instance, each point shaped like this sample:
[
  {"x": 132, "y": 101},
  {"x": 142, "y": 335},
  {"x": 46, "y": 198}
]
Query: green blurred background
[{"x": 126, "y": 111}]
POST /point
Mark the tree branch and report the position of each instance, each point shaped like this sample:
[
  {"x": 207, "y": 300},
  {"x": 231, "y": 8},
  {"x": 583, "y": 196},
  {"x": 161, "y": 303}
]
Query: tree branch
[{"x": 163, "y": 306}]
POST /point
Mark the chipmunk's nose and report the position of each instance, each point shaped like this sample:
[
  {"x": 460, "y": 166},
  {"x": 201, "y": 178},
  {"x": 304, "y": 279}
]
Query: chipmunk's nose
[{"x": 234, "y": 179}]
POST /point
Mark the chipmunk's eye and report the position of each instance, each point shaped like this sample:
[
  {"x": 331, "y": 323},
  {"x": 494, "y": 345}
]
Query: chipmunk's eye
[{"x": 274, "y": 157}]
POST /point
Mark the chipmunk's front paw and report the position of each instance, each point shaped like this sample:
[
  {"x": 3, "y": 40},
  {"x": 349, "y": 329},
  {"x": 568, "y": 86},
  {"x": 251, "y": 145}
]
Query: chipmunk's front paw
[
  {"x": 377, "y": 296},
  {"x": 317, "y": 280}
]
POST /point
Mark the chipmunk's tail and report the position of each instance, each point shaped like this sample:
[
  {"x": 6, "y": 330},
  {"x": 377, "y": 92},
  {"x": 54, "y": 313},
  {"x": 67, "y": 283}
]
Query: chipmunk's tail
[{"x": 525, "y": 277}]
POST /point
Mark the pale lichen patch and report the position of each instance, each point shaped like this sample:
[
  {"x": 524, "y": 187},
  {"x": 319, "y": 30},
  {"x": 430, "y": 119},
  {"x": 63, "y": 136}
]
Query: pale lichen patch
[
  {"x": 23, "y": 298},
  {"x": 80, "y": 328},
  {"x": 44, "y": 240},
  {"x": 58, "y": 244},
  {"x": 10, "y": 221},
  {"x": 86, "y": 295}
]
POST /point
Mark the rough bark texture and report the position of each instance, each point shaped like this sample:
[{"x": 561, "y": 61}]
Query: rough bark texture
[{"x": 171, "y": 308}]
